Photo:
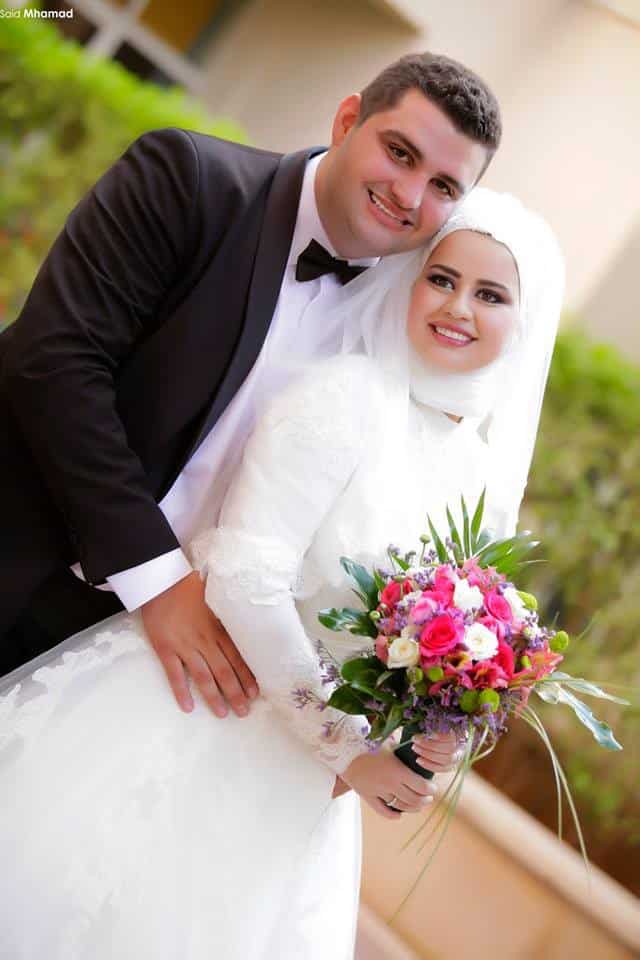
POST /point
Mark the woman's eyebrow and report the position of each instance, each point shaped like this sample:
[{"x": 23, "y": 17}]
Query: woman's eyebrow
[
  {"x": 457, "y": 275},
  {"x": 441, "y": 266},
  {"x": 494, "y": 283}
]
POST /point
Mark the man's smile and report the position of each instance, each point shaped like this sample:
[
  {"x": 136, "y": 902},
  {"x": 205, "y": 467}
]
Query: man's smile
[{"x": 389, "y": 210}]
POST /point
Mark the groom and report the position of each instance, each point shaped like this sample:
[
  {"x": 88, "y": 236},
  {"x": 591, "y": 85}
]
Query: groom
[{"x": 144, "y": 325}]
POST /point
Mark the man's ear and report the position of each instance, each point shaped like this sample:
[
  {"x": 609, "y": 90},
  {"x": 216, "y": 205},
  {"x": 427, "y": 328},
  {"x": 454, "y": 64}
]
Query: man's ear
[{"x": 346, "y": 118}]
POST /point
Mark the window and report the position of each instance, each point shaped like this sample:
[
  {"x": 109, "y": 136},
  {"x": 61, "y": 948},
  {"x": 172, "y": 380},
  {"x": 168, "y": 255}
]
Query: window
[{"x": 158, "y": 40}]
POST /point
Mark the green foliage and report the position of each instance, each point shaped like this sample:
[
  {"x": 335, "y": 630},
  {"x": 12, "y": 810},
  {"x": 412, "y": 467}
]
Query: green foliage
[
  {"x": 65, "y": 117},
  {"x": 583, "y": 499}
]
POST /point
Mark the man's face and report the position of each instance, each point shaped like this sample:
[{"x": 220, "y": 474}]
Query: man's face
[{"x": 393, "y": 181}]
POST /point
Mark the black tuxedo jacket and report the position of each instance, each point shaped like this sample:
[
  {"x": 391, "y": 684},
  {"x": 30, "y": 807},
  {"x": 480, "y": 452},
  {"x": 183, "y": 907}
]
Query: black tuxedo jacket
[{"x": 145, "y": 318}]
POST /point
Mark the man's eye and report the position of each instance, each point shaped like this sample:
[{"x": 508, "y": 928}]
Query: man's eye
[
  {"x": 400, "y": 153},
  {"x": 443, "y": 187},
  {"x": 441, "y": 280}
]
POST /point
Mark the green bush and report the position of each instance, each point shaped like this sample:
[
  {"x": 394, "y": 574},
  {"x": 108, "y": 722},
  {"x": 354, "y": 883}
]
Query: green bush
[
  {"x": 584, "y": 497},
  {"x": 65, "y": 117},
  {"x": 583, "y": 500}
]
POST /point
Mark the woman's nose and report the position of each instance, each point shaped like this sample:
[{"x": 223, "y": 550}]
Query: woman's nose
[{"x": 459, "y": 307}]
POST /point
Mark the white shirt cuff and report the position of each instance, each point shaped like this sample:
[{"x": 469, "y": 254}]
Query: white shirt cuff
[{"x": 144, "y": 582}]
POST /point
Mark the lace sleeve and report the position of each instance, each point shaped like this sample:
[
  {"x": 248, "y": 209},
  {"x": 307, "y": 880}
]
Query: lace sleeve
[{"x": 296, "y": 463}]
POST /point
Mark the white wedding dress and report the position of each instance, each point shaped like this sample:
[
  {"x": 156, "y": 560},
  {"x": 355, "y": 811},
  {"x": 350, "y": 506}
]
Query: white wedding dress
[{"x": 129, "y": 829}]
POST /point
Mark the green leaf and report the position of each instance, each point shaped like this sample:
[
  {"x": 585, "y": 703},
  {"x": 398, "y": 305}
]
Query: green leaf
[
  {"x": 368, "y": 590},
  {"x": 483, "y": 540},
  {"x": 362, "y": 668},
  {"x": 476, "y": 523},
  {"x": 585, "y": 686},
  {"x": 507, "y": 555},
  {"x": 441, "y": 550},
  {"x": 453, "y": 530},
  {"x": 400, "y": 561},
  {"x": 466, "y": 530},
  {"x": 348, "y": 700},
  {"x": 377, "y": 727},
  {"x": 384, "y": 676},
  {"x": 395, "y": 719},
  {"x": 458, "y": 555},
  {"x": 600, "y": 730},
  {"x": 352, "y": 621},
  {"x": 372, "y": 691},
  {"x": 379, "y": 581}
]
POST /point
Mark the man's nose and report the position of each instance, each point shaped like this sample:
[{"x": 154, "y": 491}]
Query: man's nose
[{"x": 408, "y": 190}]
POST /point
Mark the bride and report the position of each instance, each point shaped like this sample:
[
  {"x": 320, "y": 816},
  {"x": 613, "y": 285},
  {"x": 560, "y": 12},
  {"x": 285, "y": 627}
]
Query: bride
[{"x": 130, "y": 829}]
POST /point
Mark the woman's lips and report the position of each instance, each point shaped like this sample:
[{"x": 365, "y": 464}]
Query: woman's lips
[{"x": 449, "y": 336}]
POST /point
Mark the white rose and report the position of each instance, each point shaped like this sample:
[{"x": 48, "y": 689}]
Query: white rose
[
  {"x": 466, "y": 597},
  {"x": 414, "y": 596},
  {"x": 403, "y": 652},
  {"x": 518, "y": 608},
  {"x": 481, "y": 642}
]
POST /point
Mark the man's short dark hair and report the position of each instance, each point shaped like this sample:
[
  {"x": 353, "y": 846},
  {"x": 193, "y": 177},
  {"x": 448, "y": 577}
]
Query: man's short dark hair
[{"x": 456, "y": 90}]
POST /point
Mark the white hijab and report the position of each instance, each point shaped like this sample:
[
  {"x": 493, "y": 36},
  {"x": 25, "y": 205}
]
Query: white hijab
[{"x": 505, "y": 397}]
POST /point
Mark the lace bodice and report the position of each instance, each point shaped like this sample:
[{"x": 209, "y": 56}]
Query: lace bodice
[{"x": 306, "y": 493}]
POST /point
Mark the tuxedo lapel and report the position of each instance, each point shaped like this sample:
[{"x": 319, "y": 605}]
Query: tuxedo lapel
[{"x": 271, "y": 259}]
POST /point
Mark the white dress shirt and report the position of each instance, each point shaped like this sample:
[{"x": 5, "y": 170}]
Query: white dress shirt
[{"x": 193, "y": 502}]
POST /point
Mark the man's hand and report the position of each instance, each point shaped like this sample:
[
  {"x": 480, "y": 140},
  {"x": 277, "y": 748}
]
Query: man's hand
[
  {"x": 185, "y": 634},
  {"x": 339, "y": 788}
]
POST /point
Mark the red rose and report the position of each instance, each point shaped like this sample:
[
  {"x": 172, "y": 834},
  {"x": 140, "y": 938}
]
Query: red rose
[
  {"x": 393, "y": 591},
  {"x": 498, "y": 607},
  {"x": 505, "y": 659},
  {"x": 440, "y": 635}
]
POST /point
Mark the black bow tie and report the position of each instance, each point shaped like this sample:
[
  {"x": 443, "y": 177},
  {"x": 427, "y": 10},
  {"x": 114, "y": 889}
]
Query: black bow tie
[{"x": 315, "y": 261}]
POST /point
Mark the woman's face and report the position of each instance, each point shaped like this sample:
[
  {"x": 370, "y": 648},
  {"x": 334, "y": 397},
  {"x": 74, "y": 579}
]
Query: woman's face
[{"x": 465, "y": 303}]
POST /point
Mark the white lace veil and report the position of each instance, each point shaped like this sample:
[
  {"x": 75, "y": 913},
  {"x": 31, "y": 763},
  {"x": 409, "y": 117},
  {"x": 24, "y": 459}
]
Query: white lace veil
[{"x": 504, "y": 398}]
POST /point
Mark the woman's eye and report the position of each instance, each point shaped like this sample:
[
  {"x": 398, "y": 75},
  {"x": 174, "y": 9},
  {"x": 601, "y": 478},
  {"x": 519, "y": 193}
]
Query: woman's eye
[
  {"x": 399, "y": 153},
  {"x": 443, "y": 187},
  {"x": 441, "y": 280},
  {"x": 490, "y": 296}
]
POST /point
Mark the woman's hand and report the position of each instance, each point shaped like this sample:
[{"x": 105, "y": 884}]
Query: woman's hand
[
  {"x": 438, "y": 752},
  {"x": 381, "y": 779}
]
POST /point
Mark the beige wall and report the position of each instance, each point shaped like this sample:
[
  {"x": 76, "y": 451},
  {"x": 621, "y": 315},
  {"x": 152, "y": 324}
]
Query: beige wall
[
  {"x": 566, "y": 72},
  {"x": 501, "y": 886}
]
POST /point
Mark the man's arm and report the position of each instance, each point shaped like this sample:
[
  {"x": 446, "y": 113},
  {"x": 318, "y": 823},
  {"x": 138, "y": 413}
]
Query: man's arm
[{"x": 98, "y": 293}]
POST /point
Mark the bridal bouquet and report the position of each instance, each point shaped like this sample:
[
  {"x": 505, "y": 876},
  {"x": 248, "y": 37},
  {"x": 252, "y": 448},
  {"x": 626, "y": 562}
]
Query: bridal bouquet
[{"x": 457, "y": 647}]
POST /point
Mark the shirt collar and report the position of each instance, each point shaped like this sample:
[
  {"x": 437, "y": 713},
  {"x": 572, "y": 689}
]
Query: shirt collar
[{"x": 308, "y": 223}]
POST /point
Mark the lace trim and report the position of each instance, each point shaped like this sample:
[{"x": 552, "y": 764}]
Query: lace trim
[
  {"x": 264, "y": 569},
  {"x": 25, "y": 709}
]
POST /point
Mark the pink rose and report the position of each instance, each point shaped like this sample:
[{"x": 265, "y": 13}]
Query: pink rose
[
  {"x": 382, "y": 649},
  {"x": 483, "y": 577},
  {"x": 444, "y": 582},
  {"x": 440, "y": 635},
  {"x": 498, "y": 607},
  {"x": 427, "y": 605}
]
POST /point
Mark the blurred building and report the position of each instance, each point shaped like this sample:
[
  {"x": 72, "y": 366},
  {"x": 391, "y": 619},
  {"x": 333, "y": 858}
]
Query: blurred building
[{"x": 567, "y": 73}]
